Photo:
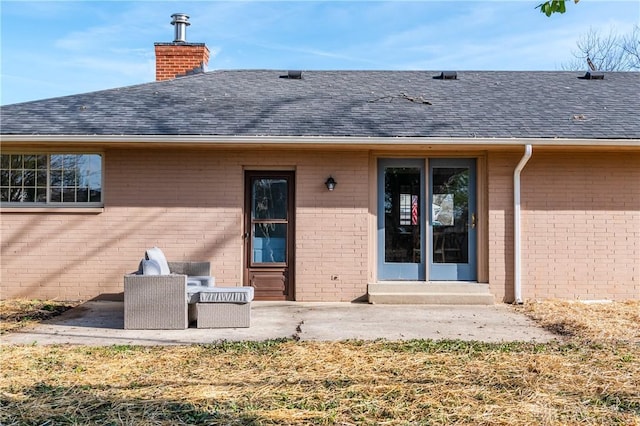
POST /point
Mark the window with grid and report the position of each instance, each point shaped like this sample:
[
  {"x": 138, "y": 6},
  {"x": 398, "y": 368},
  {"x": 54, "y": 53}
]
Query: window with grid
[{"x": 51, "y": 179}]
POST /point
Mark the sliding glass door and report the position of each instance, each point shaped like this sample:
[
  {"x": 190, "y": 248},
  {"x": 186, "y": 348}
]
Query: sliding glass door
[
  {"x": 401, "y": 219},
  {"x": 452, "y": 222}
]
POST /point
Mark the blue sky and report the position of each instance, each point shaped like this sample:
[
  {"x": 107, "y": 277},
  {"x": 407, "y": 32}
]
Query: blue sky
[{"x": 57, "y": 48}]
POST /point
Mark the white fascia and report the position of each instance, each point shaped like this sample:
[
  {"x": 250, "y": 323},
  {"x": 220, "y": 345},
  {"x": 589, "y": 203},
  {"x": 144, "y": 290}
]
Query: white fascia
[{"x": 313, "y": 140}]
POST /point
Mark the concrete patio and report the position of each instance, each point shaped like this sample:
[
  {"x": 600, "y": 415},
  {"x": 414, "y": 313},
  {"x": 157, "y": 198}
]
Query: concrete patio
[{"x": 101, "y": 323}]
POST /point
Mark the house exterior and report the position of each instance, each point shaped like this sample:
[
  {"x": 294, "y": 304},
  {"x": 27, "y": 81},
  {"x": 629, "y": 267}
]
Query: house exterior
[{"x": 494, "y": 186}]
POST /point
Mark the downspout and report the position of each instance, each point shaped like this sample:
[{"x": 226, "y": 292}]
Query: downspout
[{"x": 517, "y": 254}]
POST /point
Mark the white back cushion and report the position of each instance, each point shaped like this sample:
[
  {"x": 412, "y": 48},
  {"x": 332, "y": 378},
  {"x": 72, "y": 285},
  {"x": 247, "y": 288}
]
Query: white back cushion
[
  {"x": 156, "y": 254},
  {"x": 151, "y": 267}
]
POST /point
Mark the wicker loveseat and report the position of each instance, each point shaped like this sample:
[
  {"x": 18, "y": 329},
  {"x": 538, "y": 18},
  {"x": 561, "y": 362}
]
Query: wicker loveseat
[
  {"x": 165, "y": 295},
  {"x": 156, "y": 296}
]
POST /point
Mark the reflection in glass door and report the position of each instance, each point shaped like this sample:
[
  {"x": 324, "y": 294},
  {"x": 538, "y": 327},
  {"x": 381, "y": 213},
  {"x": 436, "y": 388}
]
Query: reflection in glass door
[
  {"x": 269, "y": 220},
  {"x": 452, "y": 225},
  {"x": 400, "y": 219}
]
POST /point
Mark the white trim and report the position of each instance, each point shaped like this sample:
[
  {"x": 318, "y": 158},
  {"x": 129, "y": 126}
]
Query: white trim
[{"x": 310, "y": 140}]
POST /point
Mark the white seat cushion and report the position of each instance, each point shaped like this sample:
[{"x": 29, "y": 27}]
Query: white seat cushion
[
  {"x": 225, "y": 294},
  {"x": 193, "y": 292}
]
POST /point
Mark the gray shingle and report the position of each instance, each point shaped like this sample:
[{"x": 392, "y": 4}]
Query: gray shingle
[{"x": 491, "y": 104}]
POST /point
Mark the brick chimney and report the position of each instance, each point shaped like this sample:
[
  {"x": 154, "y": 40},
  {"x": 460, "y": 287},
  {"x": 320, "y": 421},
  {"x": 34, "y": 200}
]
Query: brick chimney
[{"x": 180, "y": 57}]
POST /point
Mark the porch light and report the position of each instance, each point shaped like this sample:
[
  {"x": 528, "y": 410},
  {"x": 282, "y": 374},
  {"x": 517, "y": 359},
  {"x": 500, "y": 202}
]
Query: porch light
[{"x": 331, "y": 183}]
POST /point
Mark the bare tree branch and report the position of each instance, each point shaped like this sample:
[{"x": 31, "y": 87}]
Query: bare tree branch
[
  {"x": 608, "y": 52},
  {"x": 631, "y": 45}
]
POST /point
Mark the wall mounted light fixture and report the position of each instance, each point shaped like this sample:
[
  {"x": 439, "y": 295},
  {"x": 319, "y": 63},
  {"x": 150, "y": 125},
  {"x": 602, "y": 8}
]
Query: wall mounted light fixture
[{"x": 331, "y": 183}]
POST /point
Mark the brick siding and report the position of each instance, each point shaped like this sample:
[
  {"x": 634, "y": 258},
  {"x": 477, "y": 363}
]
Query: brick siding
[
  {"x": 580, "y": 225},
  {"x": 176, "y": 59},
  {"x": 580, "y": 216},
  {"x": 190, "y": 203},
  {"x": 500, "y": 168}
]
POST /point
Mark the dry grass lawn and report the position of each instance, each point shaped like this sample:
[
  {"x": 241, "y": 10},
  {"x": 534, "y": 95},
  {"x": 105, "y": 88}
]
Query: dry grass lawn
[
  {"x": 590, "y": 376},
  {"x": 18, "y": 313}
]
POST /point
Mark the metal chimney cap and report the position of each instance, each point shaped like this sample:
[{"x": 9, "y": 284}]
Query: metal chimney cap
[
  {"x": 181, "y": 18},
  {"x": 181, "y": 22}
]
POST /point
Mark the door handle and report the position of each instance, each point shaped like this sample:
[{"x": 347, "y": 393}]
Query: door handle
[
  {"x": 245, "y": 235},
  {"x": 473, "y": 220}
]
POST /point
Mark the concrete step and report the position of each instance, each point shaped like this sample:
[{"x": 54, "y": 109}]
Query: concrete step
[
  {"x": 429, "y": 287},
  {"x": 427, "y": 293}
]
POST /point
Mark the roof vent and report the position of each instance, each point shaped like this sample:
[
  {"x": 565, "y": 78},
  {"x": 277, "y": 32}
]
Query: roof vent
[
  {"x": 593, "y": 75},
  {"x": 447, "y": 75},
  {"x": 293, "y": 75},
  {"x": 181, "y": 22}
]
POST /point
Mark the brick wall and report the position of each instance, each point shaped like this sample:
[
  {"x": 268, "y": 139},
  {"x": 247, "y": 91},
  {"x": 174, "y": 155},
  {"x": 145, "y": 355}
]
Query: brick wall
[
  {"x": 580, "y": 213},
  {"x": 190, "y": 203},
  {"x": 500, "y": 168},
  {"x": 580, "y": 225},
  {"x": 175, "y": 59},
  {"x": 332, "y": 227}
]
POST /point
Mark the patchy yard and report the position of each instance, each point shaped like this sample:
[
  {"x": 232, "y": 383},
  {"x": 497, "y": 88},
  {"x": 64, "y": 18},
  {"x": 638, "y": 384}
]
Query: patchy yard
[
  {"x": 590, "y": 376},
  {"x": 594, "y": 321},
  {"x": 15, "y": 314}
]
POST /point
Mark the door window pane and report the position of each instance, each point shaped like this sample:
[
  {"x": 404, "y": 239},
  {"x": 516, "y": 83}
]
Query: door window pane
[
  {"x": 269, "y": 199},
  {"x": 450, "y": 215},
  {"x": 269, "y": 242},
  {"x": 402, "y": 215}
]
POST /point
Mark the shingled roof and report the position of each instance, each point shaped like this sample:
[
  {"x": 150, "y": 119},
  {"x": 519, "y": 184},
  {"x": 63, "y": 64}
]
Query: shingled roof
[{"x": 494, "y": 104}]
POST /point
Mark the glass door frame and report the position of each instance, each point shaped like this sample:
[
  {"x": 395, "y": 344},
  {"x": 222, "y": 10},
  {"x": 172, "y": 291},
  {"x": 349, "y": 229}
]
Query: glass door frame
[
  {"x": 455, "y": 271},
  {"x": 388, "y": 271}
]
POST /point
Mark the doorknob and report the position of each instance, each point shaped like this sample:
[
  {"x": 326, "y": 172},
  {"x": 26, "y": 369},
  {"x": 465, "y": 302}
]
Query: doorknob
[
  {"x": 245, "y": 235},
  {"x": 473, "y": 220}
]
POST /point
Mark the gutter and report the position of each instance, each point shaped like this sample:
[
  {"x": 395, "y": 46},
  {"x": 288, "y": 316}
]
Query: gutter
[
  {"x": 312, "y": 140},
  {"x": 517, "y": 243}
]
